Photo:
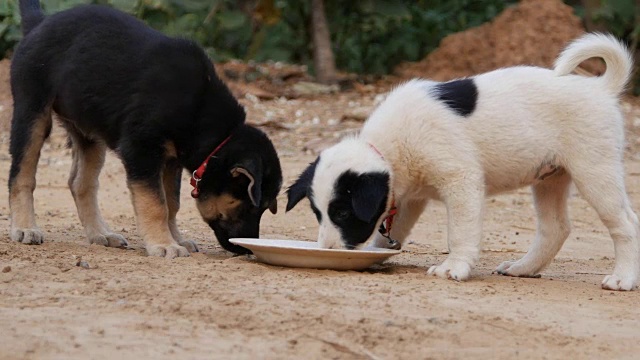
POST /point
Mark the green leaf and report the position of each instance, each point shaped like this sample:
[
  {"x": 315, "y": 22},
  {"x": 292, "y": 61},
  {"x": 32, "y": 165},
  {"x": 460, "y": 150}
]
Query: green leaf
[
  {"x": 162, "y": 5},
  {"x": 13, "y": 34},
  {"x": 625, "y": 9},
  {"x": 156, "y": 19},
  {"x": 185, "y": 25},
  {"x": 128, "y": 6},
  {"x": 393, "y": 9},
  {"x": 192, "y": 5},
  {"x": 54, "y": 6},
  {"x": 4, "y": 26},
  {"x": 230, "y": 20},
  {"x": 5, "y": 8}
]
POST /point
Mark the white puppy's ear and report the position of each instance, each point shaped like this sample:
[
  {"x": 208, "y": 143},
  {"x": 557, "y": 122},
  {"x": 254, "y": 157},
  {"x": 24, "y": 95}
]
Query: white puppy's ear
[
  {"x": 369, "y": 195},
  {"x": 300, "y": 188}
]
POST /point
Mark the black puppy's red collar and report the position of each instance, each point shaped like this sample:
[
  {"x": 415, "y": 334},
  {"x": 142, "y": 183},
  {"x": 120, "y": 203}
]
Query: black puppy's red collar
[{"x": 197, "y": 174}]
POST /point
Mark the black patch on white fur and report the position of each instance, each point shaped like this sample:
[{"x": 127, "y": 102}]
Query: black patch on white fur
[
  {"x": 315, "y": 210},
  {"x": 359, "y": 201},
  {"x": 301, "y": 188},
  {"x": 459, "y": 95}
]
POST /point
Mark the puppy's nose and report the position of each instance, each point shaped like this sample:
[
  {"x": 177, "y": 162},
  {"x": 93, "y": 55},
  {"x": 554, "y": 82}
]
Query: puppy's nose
[{"x": 349, "y": 246}]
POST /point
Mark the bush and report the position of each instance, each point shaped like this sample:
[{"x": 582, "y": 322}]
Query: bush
[{"x": 368, "y": 36}]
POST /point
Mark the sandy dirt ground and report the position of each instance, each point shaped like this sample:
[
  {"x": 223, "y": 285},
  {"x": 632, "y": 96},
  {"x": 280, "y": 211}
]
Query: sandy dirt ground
[
  {"x": 213, "y": 305},
  {"x": 125, "y": 305}
]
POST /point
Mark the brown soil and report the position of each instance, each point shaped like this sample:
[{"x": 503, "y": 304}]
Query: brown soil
[
  {"x": 532, "y": 32},
  {"x": 125, "y": 305}
]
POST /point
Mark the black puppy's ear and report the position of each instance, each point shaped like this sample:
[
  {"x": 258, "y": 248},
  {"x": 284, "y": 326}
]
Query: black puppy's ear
[
  {"x": 273, "y": 207},
  {"x": 252, "y": 169},
  {"x": 369, "y": 193},
  {"x": 300, "y": 188}
]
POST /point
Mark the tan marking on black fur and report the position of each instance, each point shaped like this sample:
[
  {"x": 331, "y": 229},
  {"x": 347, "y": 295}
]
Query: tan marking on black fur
[
  {"x": 24, "y": 183},
  {"x": 169, "y": 174},
  {"x": 170, "y": 149},
  {"x": 151, "y": 214},
  {"x": 224, "y": 207},
  {"x": 83, "y": 183}
]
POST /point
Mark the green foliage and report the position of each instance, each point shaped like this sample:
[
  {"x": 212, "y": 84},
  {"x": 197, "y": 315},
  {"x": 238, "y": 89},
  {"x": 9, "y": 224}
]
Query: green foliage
[
  {"x": 372, "y": 36},
  {"x": 369, "y": 36},
  {"x": 622, "y": 19},
  {"x": 9, "y": 26},
  {"x": 617, "y": 16}
]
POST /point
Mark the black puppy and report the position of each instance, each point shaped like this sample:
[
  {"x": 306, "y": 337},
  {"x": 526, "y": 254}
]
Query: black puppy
[{"x": 157, "y": 102}]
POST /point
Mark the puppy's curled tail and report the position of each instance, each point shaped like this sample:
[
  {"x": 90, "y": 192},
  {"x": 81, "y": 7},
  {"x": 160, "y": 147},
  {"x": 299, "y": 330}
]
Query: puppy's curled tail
[
  {"x": 31, "y": 14},
  {"x": 615, "y": 55}
]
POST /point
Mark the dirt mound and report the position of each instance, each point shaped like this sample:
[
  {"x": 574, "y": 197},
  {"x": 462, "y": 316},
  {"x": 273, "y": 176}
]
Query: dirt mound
[{"x": 532, "y": 33}]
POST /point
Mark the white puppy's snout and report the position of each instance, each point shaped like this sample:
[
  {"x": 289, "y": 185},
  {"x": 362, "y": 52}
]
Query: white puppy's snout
[
  {"x": 329, "y": 238},
  {"x": 324, "y": 244}
]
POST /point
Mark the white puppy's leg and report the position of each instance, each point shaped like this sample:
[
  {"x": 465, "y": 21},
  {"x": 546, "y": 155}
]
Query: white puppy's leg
[
  {"x": 602, "y": 185},
  {"x": 554, "y": 227},
  {"x": 408, "y": 214},
  {"x": 464, "y": 198}
]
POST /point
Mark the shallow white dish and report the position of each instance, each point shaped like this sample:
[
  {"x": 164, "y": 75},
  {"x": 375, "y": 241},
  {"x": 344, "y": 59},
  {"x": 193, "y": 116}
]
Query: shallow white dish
[{"x": 307, "y": 254}]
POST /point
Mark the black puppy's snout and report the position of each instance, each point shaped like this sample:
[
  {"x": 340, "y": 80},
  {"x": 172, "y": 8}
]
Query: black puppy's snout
[{"x": 226, "y": 230}]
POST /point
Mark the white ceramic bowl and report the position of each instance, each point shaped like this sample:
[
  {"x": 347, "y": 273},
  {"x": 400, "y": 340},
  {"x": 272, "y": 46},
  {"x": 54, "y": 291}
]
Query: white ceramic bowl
[{"x": 307, "y": 254}]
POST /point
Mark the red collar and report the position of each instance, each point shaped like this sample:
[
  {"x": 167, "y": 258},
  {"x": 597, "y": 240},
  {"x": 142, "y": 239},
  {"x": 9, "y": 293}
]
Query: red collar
[
  {"x": 393, "y": 211},
  {"x": 197, "y": 174}
]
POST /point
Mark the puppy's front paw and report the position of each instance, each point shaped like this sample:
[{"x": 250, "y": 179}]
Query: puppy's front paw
[
  {"x": 619, "y": 283},
  {"x": 27, "y": 236},
  {"x": 168, "y": 251},
  {"x": 517, "y": 269},
  {"x": 110, "y": 240},
  {"x": 451, "y": 269},
  {"x": 190, "y": 245}
]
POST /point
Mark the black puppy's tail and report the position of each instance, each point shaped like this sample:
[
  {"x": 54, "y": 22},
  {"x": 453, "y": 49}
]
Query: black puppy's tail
[{"x": 31, "y": 14}]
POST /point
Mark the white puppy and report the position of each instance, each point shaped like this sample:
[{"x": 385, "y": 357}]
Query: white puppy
[{"x": 463, "y": 140}]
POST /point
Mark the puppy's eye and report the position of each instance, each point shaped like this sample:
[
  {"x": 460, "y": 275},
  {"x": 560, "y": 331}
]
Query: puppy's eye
[{"x": 342, "y": 214}]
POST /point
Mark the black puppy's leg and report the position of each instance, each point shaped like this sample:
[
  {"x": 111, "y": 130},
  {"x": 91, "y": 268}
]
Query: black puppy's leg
[
  {"x": 144, "y": 164},
  {"x": 29, "y": 129},
  {"x": 171, "y": 179},
  {"x": 152, "y": 216},
  {"x": 88, "y": 159}
]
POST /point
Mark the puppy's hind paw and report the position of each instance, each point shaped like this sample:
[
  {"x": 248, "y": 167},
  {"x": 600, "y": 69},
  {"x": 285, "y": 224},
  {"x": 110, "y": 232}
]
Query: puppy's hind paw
[
  {"x": 516, "y": 269},
  {"x": 451, "y": 269},
  {"x": 110, "y": 240},
  {"x": 167, "y": 251},
  {"x": 27, "y": 236},
  {"x": 191, "y": 245},
  {"x": 618, "y": 283}
]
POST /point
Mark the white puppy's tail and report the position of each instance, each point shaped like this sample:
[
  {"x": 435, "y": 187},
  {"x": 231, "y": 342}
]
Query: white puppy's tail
[{"x": 615, "y": 55}]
